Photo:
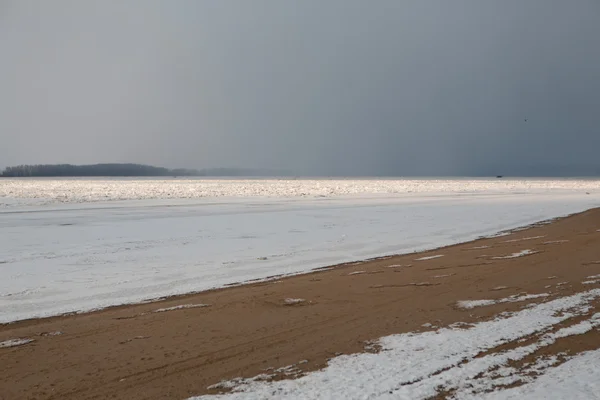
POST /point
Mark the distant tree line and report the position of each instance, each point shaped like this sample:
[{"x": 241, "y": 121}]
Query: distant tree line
[
  {"x": 55, "y": 170},
  {"x": 120, "y": 170}
]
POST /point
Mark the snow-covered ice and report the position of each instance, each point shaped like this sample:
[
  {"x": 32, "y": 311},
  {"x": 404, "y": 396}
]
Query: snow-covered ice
[
  {"x": 14, "y": 192},
  {"x": 63, "y": 249}
]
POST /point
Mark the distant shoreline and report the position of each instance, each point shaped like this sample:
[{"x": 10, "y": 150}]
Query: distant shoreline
[{"x": 123, "y": 170}]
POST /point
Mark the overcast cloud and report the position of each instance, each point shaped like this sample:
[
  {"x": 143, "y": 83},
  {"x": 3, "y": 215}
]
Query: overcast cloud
[{"x": 345, "y": 87}]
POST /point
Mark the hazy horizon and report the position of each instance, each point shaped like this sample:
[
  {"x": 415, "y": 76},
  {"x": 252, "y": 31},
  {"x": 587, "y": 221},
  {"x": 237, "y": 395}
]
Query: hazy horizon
[{"x": 335, "y": 88}]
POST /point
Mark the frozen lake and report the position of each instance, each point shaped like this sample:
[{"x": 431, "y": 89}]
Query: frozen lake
[{"x": 74, "y": 244}]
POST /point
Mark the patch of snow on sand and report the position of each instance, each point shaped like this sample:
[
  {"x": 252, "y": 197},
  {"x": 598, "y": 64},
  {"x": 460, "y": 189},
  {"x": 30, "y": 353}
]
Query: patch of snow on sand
[
  {"x": 14, "y": 343},
  {"x": 468, "y": 304},
  {"x": 580, "y": 328},
  {"x": 526, "y": 238},
  {"x": 591, "y": 282},
  {"x": 418, "y": 365},
  {"x": 290, "y": 301},
  {"x": 576, "y": 379},
  {"x": 521, "y": 253},
  {"x": 492, "y": 379},
  {"x": 181, "y": 307},
  {"x": 556, "y": 241},
  {"x": 429, "y": 257},
  {"x": 55, "y": 333},
  {"x": 479, "y": 247},
  {"x": 357, "y": 272},
  {"x": 399, "y": 266}
]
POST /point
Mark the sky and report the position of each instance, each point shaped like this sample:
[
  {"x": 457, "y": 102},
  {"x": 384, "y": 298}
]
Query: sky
[{"x": 316, "y": 87}]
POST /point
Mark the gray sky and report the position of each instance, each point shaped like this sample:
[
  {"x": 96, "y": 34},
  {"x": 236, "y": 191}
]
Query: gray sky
[{"x": 347, "y": 87}]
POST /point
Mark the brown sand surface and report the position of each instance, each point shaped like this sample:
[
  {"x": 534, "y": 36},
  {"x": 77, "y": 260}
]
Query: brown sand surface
[{"x": 133, "y": 352}]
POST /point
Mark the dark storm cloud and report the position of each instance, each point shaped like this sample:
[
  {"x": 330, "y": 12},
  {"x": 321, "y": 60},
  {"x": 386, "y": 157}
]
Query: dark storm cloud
[{"x": 319, "y": 87}]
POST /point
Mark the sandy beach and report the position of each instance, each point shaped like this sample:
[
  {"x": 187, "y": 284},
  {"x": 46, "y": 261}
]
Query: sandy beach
[{"x": 184, "y": 346}]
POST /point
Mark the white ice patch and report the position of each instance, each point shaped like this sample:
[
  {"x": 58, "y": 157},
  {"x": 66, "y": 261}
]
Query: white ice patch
[
  {"x": 399, "y": 266},
  {"x": 479, "y": 247},
  {"x": 181, "y": 307},
  {"x": 418, "y": 365},
  {"x": 556, "y": 242},
  {"x": 521, "y": 253},
  {"x": 19, "y": 192},
  {"x": 429, "y": 257},
  {"x": 14, "y": 343},
  {"x": 357, "y": 272}
]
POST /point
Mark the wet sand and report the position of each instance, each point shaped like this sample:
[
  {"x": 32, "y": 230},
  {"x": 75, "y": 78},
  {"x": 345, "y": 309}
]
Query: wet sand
[{"x": 134, "y": 352}]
